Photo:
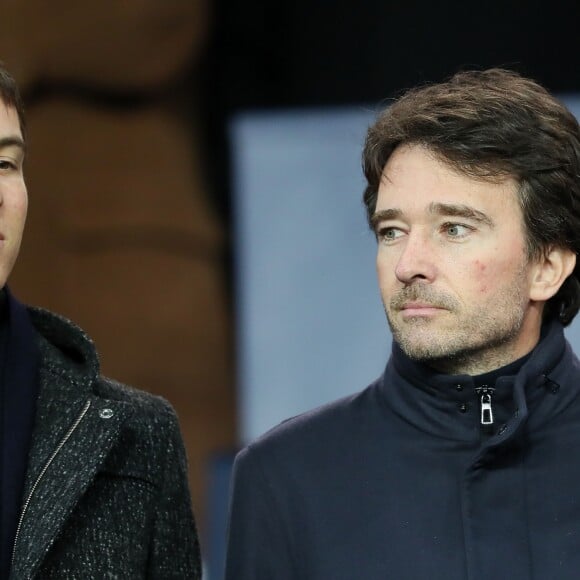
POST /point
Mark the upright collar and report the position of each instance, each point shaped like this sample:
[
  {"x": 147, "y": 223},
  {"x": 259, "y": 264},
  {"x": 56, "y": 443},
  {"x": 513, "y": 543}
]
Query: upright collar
[
  {"x": 449, "y": 406},
  {"x": 72, "y": 437}
]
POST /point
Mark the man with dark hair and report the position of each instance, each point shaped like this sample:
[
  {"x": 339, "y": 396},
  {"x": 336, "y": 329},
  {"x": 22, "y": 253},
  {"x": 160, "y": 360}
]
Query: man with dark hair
[
  {"x": 92, "y": 473},
  {"x": 460, "y": 461}
]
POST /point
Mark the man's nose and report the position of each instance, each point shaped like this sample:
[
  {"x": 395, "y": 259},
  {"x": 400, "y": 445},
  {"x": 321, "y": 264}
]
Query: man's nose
[{"x": 417, "y": 260}]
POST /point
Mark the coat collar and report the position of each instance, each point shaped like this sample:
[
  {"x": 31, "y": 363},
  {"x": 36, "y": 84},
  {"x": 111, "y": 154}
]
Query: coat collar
[
  {"x": 74, "y": 431},
  {"x": 448, "y": 405}
]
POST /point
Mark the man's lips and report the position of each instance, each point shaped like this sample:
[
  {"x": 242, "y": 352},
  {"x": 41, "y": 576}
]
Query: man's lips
[{"x": 419, "y": 309}]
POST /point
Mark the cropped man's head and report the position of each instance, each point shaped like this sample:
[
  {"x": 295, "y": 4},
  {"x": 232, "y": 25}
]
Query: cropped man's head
[{"x": 491, "y": 125}]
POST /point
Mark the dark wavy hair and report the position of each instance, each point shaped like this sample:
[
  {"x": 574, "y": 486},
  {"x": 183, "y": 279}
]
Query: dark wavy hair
[
  {"x": 489, "y": 125},
  {"x": 10, "y": 95}
]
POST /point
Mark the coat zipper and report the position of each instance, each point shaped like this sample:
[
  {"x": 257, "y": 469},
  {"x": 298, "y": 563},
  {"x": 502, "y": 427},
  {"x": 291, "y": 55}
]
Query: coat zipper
[
  {"x": 485, "y": 394},
  {"x": 44, "y": 470}
]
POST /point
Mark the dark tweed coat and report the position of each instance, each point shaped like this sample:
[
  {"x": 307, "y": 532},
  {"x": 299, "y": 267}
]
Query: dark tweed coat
[{"x": 106, "y": 491}]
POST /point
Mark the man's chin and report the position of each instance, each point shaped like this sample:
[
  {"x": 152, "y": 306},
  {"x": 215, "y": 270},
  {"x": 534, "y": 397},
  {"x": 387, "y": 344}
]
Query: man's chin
[{"x": 424, "y": 346}]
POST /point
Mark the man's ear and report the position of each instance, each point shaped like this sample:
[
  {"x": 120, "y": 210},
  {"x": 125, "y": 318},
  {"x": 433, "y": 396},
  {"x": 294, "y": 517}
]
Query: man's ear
[{"x": 550, "y": 271}]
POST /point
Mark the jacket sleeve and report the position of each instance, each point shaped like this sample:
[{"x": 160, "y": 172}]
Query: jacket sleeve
[
  {"x": 259, "y": 542},
  {"x": 175, "y": 552}
]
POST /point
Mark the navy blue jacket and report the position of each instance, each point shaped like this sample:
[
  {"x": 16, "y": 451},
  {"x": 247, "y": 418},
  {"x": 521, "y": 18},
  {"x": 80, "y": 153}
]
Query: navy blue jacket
[{"x": 402, "y": 482}]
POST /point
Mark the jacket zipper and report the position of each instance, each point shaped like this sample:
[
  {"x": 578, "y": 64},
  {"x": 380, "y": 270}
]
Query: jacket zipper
[
  {"x": 485, "y": 394},
  {"x": 44, "y": 470}
]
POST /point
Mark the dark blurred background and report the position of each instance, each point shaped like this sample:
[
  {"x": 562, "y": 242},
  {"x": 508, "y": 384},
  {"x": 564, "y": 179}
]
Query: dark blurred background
[
  {"x": 310, "y": 53},
  {"x": 130, "y": 173}
]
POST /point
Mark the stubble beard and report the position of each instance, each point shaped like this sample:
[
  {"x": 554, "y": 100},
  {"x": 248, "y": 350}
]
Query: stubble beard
[{"x": 468, "y": 342}]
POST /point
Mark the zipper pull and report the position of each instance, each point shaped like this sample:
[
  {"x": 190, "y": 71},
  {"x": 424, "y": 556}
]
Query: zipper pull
[{"x": 486, "y": 409}]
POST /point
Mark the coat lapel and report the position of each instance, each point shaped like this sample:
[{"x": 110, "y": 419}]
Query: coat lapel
[{"x": 74, "y": 433}]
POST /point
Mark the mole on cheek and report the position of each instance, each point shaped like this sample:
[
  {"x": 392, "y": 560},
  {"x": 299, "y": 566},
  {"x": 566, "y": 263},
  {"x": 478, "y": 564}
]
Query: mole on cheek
[{"x": 480, "y": 267}]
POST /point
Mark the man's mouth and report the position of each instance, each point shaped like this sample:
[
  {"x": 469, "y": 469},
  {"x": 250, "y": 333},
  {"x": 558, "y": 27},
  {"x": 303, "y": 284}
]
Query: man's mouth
[{"x": 418, "y": 308}]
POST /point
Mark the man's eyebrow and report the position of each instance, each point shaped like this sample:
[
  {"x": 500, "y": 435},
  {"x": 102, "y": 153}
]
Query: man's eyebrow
[
  {"x": 460, "y": 210},
  {"x": 385, "y": 214},
  {"x": 442, "y": 209},
  {"x": 12, "y": 141}
]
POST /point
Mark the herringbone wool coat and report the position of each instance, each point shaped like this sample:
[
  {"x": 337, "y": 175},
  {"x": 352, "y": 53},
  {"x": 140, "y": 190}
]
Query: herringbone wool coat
[{"x": 106, "y": 492}]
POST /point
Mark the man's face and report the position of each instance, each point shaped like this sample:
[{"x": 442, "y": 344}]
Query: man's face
[
  {"x": 13, "y": 196},
  {"x": 452, "y": 265}
]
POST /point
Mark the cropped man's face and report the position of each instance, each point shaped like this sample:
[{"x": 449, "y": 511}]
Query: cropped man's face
[
  {"x": 13, "y": 195},
  {"x": 452, "y": 265}
]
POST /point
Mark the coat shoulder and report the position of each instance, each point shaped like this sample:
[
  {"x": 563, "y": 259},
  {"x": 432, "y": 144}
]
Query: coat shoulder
[
  {"x": 312, "y": 433},
  {"x": 138, "y": 399},
  {"x": 148, "y": 413}
]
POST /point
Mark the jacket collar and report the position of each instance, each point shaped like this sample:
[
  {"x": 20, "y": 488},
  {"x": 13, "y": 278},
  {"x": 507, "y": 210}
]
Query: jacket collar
[
  {"x": 448, "y": 405},
  {"x": 75, "y": 429}
]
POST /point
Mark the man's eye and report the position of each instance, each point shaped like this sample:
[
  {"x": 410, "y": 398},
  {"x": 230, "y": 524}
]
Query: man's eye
[
  {"x": 456, "y": 230},
  {"x": 389, "y": 234},
  {"x": 5, "y": 165}
]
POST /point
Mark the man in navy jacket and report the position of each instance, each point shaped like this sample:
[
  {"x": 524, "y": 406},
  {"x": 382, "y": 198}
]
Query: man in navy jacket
[{"x": 462, "y": 460}]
